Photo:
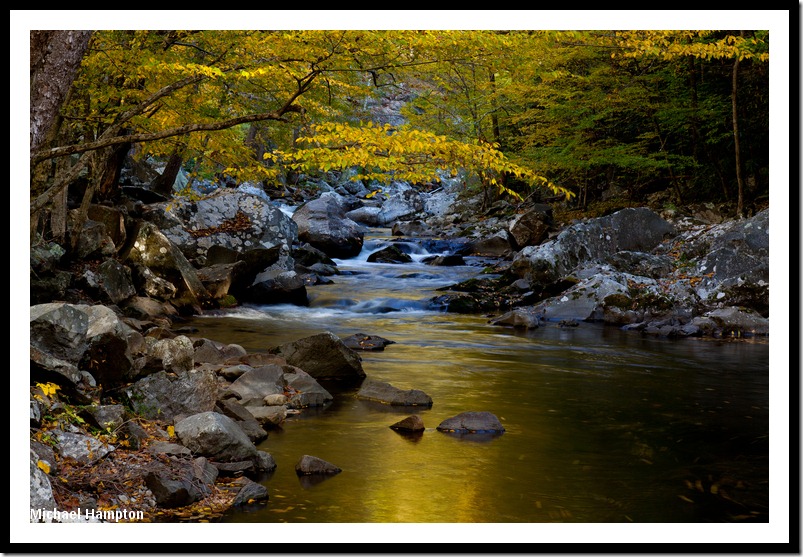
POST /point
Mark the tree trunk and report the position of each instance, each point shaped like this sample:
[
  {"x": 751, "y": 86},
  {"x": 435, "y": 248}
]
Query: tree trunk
[
  {"x": 55, "y": 59},
  {"x": 58, "y": 212},
  {"x": 80, "y": 215},
  {"x": 673, "y": 180},
  {"x": 739, "y": 179},
  {"x": 163, "y": 184},
  {"x": 110, "y": 170}
]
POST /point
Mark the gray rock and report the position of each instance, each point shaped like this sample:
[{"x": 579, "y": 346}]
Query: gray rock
[
  {"x": 390, "y": 254},
  {"x": 215, "y": 436},
  {"x": 496, "y": 245},
  {"x": 323, "y": 224},
  {"x": 388, "y": 394},
  {"x": 276, "y": 285},
  {"x": 303, "y": 390},
  {"x": 153, "y": 250},
  {"x": 738, "y": 322},
  {"x": 268, "y": 416},
  {"x": 232, "y": 219},
  {"x": 323, "y": 356},
  {"x": 254, "y": 385},
  {"x": 165, "y": 447},
  {"x": 84, "y": 449},
  {"x": 412, "y": 423},
  {"x": 159, "y": 396},
  {"x": 309, "y": 465},
  {"x": 107, "y": 416},
  {"x": 634, "y": 229},
  {"x": 529, "y": 228},
  {"x": 361, "y": 341},
  {"x": 264, "y": 462},
  {"x": 40, "y": 489},
  {"x": 115, "y": 281},
  {"x": 472, "y": 422},
  {"x": 519, "y": 318},
  {"x": 173, "y": 491},
  {"x": 250, "y": 492},
  {"x": 173, "y": 354}
]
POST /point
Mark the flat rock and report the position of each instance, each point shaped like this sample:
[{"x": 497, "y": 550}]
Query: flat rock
[{"x": 472, "y": 422}]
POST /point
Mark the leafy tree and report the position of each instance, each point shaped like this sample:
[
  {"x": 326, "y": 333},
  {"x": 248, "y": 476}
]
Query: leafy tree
[
  {"x": 738, "y": 47},
  {"x": 219, "y": 97},
  {"x": 601, "y": 112},
  {"x": 596, "y": 112}
]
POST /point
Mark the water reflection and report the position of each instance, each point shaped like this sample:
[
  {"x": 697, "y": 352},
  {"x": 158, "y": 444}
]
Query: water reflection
[{"x": 601, "y": 425}]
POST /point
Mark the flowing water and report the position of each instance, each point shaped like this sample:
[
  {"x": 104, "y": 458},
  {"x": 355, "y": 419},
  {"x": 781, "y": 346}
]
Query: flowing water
[{"x": 601, "y": 425}]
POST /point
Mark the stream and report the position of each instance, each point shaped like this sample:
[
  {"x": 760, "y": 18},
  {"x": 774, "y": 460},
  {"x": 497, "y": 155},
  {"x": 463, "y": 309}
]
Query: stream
[{"x": 602, "y": 425}]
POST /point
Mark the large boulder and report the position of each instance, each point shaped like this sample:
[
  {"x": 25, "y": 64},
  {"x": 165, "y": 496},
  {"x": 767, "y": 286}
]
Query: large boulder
[
  {"x": 162, "y": 397},
  {"x": 153, "y": 250},
  {"x": 228, "y": 218},
  {"x": 732, "y": 261},
  {"x": 323, "y": 224},
  {"x": 66, "y": 338},
  {"x": 530, "y": 228},
  {"x": 403, "y": 204},
  {"x": 215, "y": 436},
  {"x": 323, "y": 356},
  {"x": 633, "y": 229}
]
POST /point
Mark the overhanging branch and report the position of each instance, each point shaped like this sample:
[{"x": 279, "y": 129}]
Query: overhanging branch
[{"x": 155, "y": 136}]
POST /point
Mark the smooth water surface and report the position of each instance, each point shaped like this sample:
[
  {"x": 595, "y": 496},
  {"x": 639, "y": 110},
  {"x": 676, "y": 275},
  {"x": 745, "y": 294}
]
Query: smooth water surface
[{"x": 602, "y": 425}]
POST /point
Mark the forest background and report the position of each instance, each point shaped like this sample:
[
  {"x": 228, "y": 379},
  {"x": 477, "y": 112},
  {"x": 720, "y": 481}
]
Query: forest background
[{"x": 777, "y": 22}]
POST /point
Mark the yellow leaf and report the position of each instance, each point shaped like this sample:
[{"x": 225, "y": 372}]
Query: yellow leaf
[
  {"x": 44, "y": 466},
  {"x": 48, "y": 389},
  {"x": 171, "y": 431}
]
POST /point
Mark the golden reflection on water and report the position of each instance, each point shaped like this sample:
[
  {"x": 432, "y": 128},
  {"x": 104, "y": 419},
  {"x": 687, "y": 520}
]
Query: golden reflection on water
[{"x": 602, "y": 425}]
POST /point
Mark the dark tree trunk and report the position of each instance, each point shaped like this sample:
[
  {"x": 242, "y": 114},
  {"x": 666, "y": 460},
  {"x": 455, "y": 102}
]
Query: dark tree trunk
[
  {"x": 164, "y": 183},
  {"x": 739, "y": 178},
  {"x": 110, "y": 172}
]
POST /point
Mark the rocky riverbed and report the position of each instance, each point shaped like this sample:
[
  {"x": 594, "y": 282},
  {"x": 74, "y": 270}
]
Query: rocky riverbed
[{"x": 131, "y": 411}]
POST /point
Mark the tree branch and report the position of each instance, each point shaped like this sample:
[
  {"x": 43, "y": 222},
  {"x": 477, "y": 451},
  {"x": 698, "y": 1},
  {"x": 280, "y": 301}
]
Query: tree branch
[{"x": 155, "y": 136}]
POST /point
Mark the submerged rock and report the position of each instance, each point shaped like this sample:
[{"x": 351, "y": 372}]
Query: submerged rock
[
  {"x": 388, "y": 394},
  {"x": 361, "y": 341}
]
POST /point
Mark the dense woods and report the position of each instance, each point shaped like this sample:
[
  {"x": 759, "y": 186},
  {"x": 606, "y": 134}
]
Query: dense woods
[{"x": 587, "y": 117}]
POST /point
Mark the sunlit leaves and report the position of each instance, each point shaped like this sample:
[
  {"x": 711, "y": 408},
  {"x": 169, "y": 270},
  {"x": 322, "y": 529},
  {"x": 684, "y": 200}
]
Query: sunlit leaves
[
  {"x": 669, "y": 45},
  {"x": 384, "y": 154}
]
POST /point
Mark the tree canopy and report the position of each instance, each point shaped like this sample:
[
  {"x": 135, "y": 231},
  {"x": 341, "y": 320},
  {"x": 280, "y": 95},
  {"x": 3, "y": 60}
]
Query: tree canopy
[{"x": 576, "y": 115}]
